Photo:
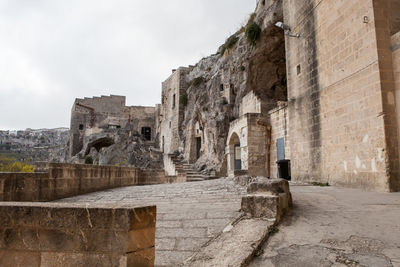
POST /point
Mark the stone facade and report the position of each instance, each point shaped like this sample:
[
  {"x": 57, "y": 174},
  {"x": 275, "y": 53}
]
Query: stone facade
[
  {"x": 171, "y": 110},
  {"x": 94, "y": 115},
  {"x": 342, "y": 109}
]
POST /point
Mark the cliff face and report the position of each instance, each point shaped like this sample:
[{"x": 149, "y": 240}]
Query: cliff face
[
  {"x": 34, "y": 145},
  {"x": 219, "y": 82}
]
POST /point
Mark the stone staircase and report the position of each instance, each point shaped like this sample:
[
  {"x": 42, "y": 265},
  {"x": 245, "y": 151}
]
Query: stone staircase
[{"x": 192, "y": 175}]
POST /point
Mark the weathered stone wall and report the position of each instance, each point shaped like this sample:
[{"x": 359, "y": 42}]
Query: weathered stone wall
[
  {"x": 385, "y": 23},
  {"x": 171, "y": 113},
  {"x": 65, "y": 180},
  {"x": 279, "y": 129},
  {"x": 257, "y": 144},
  {"x": 92, "y": 116},
  {"x": 395, "y": 47},
  {"x": 338, "y": 104},
  {"x": 56, "y": 234}
]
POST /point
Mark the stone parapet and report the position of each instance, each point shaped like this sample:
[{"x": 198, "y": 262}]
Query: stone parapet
[
  {"x": 61, "y": 234},
  {"x": 66, "y": 180}
]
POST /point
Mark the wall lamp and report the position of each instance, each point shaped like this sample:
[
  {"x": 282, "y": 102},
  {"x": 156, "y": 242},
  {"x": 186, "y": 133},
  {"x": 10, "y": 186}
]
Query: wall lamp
[{"x": 287, "y": 29}]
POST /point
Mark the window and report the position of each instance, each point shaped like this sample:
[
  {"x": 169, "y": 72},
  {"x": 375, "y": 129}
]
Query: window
[
  {"x": 263, "y": 2},
  {"x": 146, "y": 132},
  {"x": 298, "y": 68},
  {"x": 173, "y": 101},
  {"x": 221, "y": 87},
  {"x": 169, "y": 124},
  {"x": 81, "y": 127}
]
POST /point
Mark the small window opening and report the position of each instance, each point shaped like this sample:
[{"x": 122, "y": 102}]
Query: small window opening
[
  {"x": 81, "y": 127},
  {"x": 146, "y": 132},
  {"x": 221, "y": 87},
  {"x": 173, "y": 101},
  {"x": 263, "y": 2},
  {"x": 169, "y": 124},
  {"x": 298, "y": 68}
]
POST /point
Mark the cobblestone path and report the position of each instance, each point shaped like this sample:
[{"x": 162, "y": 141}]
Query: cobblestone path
[{"x": 188, "y": 214}]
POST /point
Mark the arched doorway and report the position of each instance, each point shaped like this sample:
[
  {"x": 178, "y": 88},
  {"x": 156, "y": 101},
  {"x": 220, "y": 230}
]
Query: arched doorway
[{"x": 235, "y": 155}]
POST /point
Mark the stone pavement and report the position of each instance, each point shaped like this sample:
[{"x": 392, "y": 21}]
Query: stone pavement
[
  {"x": 188, "y": 214},
  {"x": 331, "y": 226}
]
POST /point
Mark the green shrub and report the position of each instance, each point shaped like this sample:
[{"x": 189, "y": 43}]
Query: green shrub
[
  {"x": 88, "y": 160},
  {"x": 250, "y": 21},
  {"x": 253, "y": 33},
  {"x": 229, "y": 43},
  {"x": 183, "y": 99}
]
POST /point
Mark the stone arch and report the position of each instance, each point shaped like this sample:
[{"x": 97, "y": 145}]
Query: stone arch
[
  {"x": 234, "y": 148},
  {"x": 99, "y": 144},
  {"x": 196, "y": 140}
]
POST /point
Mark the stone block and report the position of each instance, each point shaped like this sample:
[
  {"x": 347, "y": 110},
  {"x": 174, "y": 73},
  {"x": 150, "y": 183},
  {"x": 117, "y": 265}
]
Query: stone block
[
  {"x": 258, "y": 206},
  {"x": 267, "y": 198},
  {"x": 269, "y": 186}
]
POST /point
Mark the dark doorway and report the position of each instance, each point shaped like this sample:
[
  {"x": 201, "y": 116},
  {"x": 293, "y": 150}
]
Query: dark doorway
[
  {"x": 238, "y": 157},
  {"x": 146, "y": 132},
  {"x": 198, "y": 147}
]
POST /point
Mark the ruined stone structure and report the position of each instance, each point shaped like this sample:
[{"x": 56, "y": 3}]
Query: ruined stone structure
[
  {"x": 171, "y": 110},
  {"x": 99, "y": 114}
]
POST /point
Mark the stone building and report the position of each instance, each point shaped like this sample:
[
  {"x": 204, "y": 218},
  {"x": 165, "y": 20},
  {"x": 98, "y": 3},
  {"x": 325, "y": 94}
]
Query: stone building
[
  {"x": 171, "y": 110},
  {"x": 99, "y": 114},
  {"x": 343, "y": 84}
]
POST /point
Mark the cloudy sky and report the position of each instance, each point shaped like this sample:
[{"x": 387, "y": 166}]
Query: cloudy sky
[{"x": 53, "y": 51}]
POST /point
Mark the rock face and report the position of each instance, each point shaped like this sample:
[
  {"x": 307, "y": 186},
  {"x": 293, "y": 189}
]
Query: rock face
[
  {"x": 217, "y": 84},
  {"x": 34, "y": 145},
  {"x": 121, "y": 147}
]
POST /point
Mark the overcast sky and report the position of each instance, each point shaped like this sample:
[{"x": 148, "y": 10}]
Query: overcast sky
[{"x": 53, "y": 51}]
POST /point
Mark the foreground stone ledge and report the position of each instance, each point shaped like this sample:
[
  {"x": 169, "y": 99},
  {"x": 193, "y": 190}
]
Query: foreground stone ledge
[
  {"x": 65, "y": 234},
  {"x": 267, "y": 201},
  {"x": 236, "y": 246}
]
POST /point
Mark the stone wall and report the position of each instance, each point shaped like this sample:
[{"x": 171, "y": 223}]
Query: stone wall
[
  {"x": 65, "y": 180},
  {"x": 58, "y": 234},
  {"x": 171, "y": 113},
  {"x": 279, "y": 129},
  {"x": 395, "y": 47},
  {"x": 340, "y": 100}
]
